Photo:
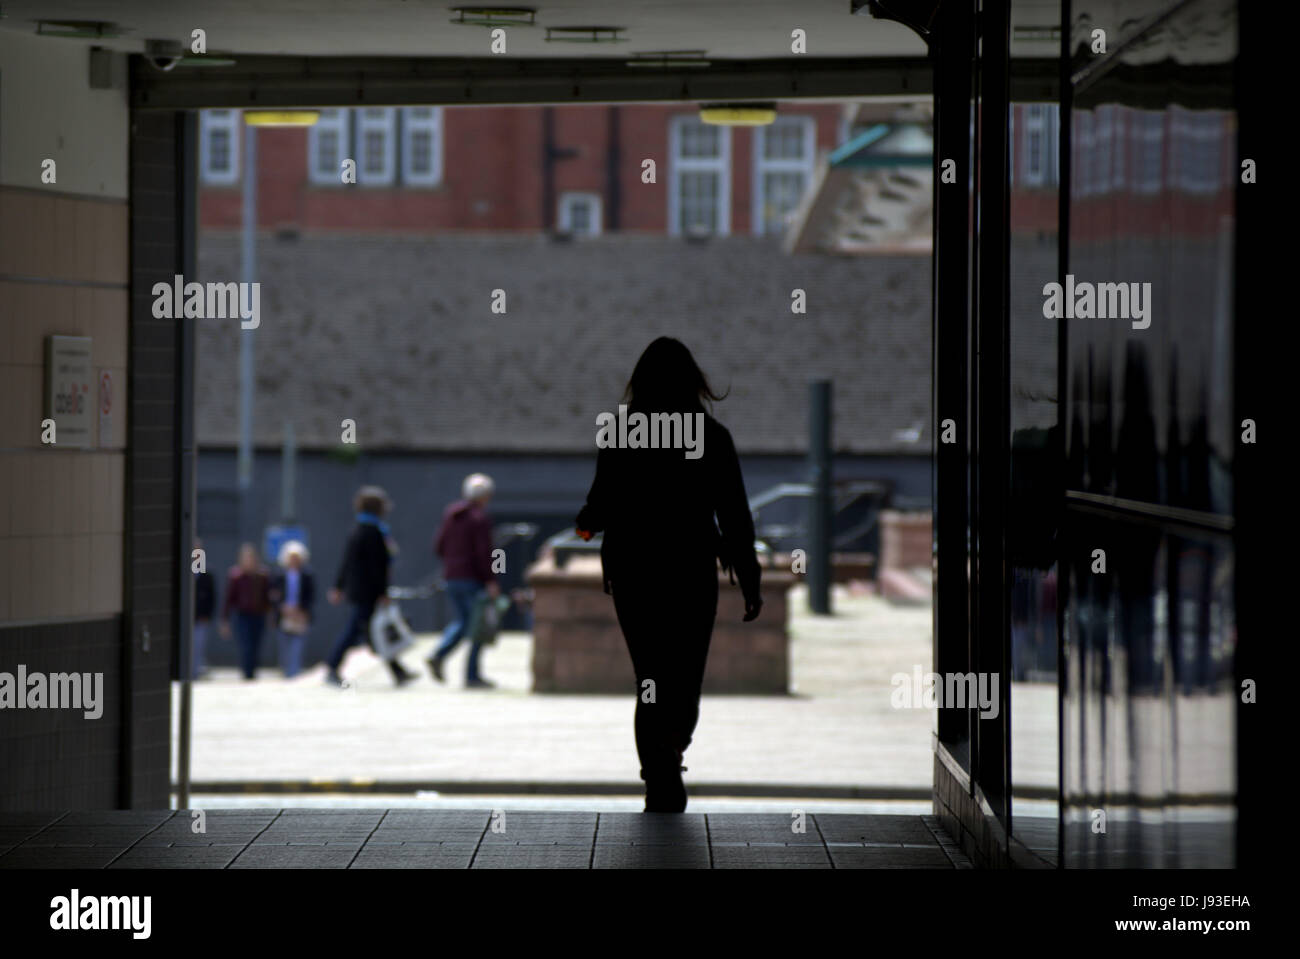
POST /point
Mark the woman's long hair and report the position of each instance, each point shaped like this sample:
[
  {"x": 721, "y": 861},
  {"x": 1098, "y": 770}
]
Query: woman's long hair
[{"x": 667, "y": 378}]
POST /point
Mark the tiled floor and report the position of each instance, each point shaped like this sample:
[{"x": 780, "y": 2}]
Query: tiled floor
[{"x": 469, "y": 839}]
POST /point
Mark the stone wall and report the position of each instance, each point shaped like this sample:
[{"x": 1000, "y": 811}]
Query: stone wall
[
  {"x": 397, "y": 334},
  {"x": 578, "y": 647}
]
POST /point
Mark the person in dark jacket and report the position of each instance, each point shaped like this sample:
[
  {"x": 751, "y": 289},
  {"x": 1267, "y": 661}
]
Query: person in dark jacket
[
  {"x": 464, "y": 544},
  {"x": 293, "y": 591},
  {"x": 205, "y": 607},
  {"x": 248, "y": 600},
  {"x": 656, "y": 504},
  {"x": 363, "y": 580}
]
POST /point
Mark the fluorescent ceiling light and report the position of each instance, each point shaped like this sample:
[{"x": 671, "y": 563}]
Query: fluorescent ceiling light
[
  {"x": 206, "y": 60},
  {"x": 495, "y": 16},
  {"x": 668, "y": 59},
  {"x": 77, "y": 28},
  {"x": 585, "y": 35},
  {"x": 738, "y": 114},
  {"x": 281, "y": 118}
]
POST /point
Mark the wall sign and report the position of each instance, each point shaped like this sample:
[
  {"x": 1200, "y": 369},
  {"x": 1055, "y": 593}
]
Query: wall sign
[
  {"x": 105, "y": 408},
  {"x": 69, "y": 380}
]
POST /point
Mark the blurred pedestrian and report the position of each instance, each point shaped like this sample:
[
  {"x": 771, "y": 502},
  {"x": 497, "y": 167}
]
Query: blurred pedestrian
[
  {"x": 363, "y": 580},
  {"x": 248, "y": 597},
  {"x": 205, "y": 605},
  {"x": 464, "y": 544},
  {"x": 293, "y": 591}
]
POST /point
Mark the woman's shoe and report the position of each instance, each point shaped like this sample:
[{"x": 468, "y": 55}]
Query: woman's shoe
[
  {"x": 666, "y": 792},
  {"x": 401, "y": 675}
]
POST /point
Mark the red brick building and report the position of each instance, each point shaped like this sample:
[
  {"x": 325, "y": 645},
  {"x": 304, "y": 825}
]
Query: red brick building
[{"x": 577, "y": 169}]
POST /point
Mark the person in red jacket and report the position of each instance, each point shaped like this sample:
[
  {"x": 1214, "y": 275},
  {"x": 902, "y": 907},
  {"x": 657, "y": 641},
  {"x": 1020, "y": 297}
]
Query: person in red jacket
[
  {"x": 464, "y": 544},
  {"x": 247, "y": 601}
]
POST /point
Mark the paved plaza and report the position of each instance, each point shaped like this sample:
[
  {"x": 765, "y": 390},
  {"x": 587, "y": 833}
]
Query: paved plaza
[{"x": 836, "y": 730}]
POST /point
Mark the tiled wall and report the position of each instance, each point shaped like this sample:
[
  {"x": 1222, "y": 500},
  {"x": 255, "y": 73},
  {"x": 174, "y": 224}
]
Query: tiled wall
[
  {"x": 154, "y": 464},
  {"x": 58, "y": 758},
  {"x": 63, "y": 270}
]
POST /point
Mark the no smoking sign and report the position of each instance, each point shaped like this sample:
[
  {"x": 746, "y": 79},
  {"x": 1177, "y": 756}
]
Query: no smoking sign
[{"x": 105, "y": 408}]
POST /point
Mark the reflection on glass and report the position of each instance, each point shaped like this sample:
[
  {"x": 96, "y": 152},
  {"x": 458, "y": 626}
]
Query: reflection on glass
[
  {"x": 1147, "y": 670},
  {"x": 1035, "y": 478}
]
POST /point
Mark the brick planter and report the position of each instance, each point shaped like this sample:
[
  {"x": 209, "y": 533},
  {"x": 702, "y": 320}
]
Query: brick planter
[
  {"x": 578, "y": 647},
  {"x": 904, "y": 539}
]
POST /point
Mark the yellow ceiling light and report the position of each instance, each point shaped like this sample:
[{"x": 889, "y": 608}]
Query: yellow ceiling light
[
  {"x": 281, "y": 118},
  {"x": 738, "y": 114}
]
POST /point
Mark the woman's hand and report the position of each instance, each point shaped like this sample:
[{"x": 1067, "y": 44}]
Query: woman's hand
[
  {"x": 583, "y": 534},
  {"x": 752, "y": 608},
  {"x": 335, "y": 596}
]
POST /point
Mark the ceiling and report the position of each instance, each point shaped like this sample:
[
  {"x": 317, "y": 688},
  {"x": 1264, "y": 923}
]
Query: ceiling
[{"x": 724, "y": 29}]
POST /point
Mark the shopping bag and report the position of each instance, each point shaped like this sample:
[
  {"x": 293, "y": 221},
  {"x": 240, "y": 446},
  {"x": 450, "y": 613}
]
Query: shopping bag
[
  {"x": 485, "y": 621},
  {"x": 389, "y": 631}
]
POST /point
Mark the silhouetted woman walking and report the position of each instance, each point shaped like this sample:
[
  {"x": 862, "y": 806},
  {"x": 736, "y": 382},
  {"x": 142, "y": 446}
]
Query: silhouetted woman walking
[{"x": 655, "y": 497}]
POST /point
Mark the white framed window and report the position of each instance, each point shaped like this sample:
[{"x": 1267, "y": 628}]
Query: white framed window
[
  {"x": 699, "y": 193},
  {"x": 1036, "y": 157},
  {"x": 1148, "y": 128},
  {"x": 579, "y": 213},
  {"x": 376, "y": 146},
  {"x": 422, "y": 146},
  {"x": 219, "y": 147},
  {"x": 327, "y": 147},
  {"x": 784, "y": 153}
]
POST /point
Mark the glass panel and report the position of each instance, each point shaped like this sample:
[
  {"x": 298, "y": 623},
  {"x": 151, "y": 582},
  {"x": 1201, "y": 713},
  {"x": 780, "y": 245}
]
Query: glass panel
[
  {"x": 699, "y": 200},
  {"x": 781, "y": 195},
  {"x": 219, "y": 150},
  {"x": 375, "y": 152},
  {"x": 784, "y": 141},
  {"x": 327, "y": 150},
  {"x": 421, "y": 151},
  {"x": 580, "y": 216},
  {"x": 1035, "y": 483},
  {"x": 699, "y": 141},
  {"x": 1149, "y": 704}
]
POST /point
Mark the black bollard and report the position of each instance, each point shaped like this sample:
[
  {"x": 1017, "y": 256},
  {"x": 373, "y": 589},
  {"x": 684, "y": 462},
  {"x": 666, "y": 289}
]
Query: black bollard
[{"x": 819, "y": 504}]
